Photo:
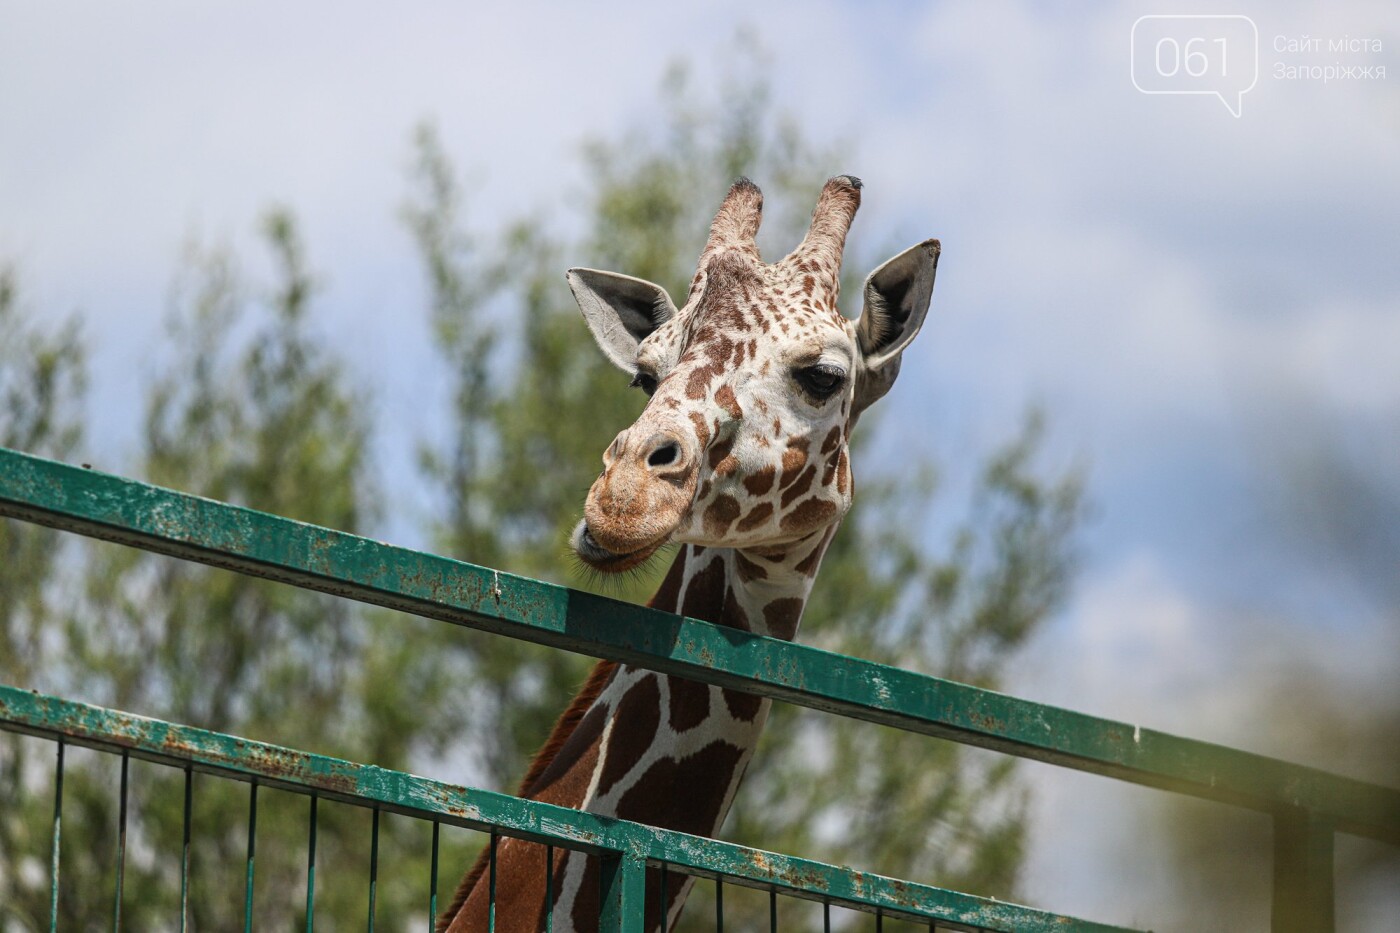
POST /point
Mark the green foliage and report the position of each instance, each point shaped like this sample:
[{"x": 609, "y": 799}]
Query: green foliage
[
  {"x": 249, "y": 406},
  {"x": 42, "y": 379},
  {"x": 841, "y": 791},
  {"x": 42, "y": 376}
]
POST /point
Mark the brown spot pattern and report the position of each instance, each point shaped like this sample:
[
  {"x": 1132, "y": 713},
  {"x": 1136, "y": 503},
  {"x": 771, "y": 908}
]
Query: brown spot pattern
[
  {"x": 809, "y": 514},
  {"x": 748, "y": 570},
  {"x": 702, "y": 428},
  {"x": 667, "y": 596},
  {"x": 721, "y": 450},
  {"x": 794, "y": 459},
  {"x": 690, "y": 703},
  {"x": 704, "y": 597},
  {"x": 703, "y": 779},
  {"x": 760, "y": 481},
  {"x": 756, "y": 517},
  {"x": 640, "y": 710},
  {"x": 569, "y": 771},
  {"x": 699, "y": 382},
  {"x": 799, "y": 488},
  {"x": 782, "y": 616},
  {"x": 720, "y": 514},
  {"x": 808, "y": 565},
  {"x": 726, "y": 399},
  {"x": 734, "y": 613},
  {"x": 742, "y": 706}
]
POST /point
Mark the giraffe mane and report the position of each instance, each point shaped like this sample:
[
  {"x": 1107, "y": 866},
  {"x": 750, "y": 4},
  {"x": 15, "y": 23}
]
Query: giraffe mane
[{"x": 563, "y": 728}]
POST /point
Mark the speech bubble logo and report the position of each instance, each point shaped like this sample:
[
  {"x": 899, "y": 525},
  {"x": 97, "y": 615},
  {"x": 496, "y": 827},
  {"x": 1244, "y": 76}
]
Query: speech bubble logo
[{"x": 1196, "y": 54}]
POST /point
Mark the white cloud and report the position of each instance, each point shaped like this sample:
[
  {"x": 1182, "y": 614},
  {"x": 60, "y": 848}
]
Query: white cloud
[{"x": 1132, "y": 639}]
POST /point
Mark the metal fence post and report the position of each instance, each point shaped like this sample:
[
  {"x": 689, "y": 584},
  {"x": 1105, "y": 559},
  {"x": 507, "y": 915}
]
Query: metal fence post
[
  {"x": 1303, "y": 870},
  {"x": 624, "y": 891}
]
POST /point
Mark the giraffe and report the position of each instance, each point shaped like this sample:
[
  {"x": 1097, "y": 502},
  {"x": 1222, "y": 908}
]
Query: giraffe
[{"x": 741, "y": 458}]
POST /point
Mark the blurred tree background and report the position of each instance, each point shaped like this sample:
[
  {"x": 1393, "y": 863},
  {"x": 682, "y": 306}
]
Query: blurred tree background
[{"x": 250, "y": 405}]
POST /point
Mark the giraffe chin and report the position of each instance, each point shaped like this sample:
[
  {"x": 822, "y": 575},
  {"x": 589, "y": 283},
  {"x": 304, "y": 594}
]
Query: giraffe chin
[{"x": 604, "y": 561}]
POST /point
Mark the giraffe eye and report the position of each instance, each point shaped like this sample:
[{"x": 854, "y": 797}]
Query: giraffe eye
[
  {"x": 821, "y": 380},
  {"x": 644, "y": 381}
]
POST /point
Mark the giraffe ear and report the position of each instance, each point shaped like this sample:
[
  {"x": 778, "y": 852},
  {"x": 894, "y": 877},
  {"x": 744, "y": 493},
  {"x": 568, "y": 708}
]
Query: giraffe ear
[
  {"x": 620, "y": 311},
  {"x": 897, "y": 296}
]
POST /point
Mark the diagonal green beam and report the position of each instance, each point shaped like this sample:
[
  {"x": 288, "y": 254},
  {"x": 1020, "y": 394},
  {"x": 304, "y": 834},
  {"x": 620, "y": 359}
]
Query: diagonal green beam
[
  {"x": 110, "y": 507},
  {"x": 627, "y": 844}
]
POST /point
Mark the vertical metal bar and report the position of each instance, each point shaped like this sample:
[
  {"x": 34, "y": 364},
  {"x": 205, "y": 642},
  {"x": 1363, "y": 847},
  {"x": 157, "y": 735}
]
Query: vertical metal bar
[
  {"x": 185, "y": 852},
  {"x": 772, "y": 910},
  {"x": 549, "y": 889},
  {"x": 252, "y": 846},
  {"x": 826, "y": 916},
  {"x": 432, "y": 882},
  {"x": 719, "y": 904},
  {"x": 664, "y": 898},
  {"x": 57, "y": 840},
  {"x": 373, "y": 866},
  {"x": 491, "y": 894},
  {"x": 624, "y": 893},
  {"x": 311, "y": 870},
  {"x": 1304, "y": 891},
  {"x": 879, "y": 921},
  {"x": 121, "y": 845}
]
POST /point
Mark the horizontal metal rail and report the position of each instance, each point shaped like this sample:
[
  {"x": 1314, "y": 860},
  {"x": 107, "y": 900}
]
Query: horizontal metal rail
[
  {"x": 114, "y": 508},
  {"x": 362, "y": 785}
]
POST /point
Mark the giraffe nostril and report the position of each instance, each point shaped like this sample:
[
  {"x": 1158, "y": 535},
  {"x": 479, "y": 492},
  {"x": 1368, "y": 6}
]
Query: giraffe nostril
[{"x": 665, "y": 455}]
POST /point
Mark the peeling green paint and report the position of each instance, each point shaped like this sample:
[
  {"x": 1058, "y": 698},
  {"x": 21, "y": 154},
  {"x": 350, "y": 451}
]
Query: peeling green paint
[
  {"x": 103, "y": 506},
  {"x": 181, "y": 525},
  {"x": 627, "y": 847}
]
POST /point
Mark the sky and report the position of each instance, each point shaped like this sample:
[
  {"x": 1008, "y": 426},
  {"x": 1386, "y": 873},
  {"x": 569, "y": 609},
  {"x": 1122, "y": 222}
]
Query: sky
[{"x": 1207, "y": 305}]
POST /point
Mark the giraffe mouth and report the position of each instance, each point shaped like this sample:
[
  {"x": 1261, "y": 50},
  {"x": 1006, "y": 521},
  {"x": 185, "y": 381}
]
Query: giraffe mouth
[{"x": 600, "y": 558}]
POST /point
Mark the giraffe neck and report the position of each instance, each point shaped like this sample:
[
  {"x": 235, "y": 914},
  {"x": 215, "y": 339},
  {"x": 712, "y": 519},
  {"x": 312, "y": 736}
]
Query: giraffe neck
[
  {"x": 652, "y": 748},
  {"x": 759, "y": 590},
  {"x": 671, "y": 752}
]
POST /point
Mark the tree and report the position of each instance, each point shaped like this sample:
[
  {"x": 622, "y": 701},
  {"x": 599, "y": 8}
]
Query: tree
[
  {"x": 42, "y": 377},
  {"x": 821, "y": 786},
  {"x": 249, "y": 406}
]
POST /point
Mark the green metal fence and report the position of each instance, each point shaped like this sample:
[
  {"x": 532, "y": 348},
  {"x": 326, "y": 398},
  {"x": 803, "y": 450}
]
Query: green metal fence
[{"x": 1308, "y": 806}]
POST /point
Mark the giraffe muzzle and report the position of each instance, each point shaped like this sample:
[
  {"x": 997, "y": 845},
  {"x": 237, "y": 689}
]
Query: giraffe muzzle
[{"x": 644, "y": 492}]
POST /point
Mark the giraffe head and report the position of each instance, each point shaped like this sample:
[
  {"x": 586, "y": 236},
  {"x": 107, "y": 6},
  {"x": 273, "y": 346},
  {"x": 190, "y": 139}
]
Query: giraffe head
[{"x": 755, "y": 384}]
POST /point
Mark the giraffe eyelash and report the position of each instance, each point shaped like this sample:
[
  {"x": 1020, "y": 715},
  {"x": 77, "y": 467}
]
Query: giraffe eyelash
[{"x": 822, "y": 381}]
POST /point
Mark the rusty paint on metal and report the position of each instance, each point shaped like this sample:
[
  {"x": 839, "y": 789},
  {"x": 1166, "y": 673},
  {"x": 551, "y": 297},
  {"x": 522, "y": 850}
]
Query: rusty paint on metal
[
  {"x": 110, "y": 507},
  {"x": 369, "y": 786},
  {"x": 283, "y": 550}
]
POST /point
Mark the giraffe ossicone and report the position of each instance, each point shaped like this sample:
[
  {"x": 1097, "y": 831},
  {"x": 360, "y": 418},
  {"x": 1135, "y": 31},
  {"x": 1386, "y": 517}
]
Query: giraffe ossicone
[{"x": 741, "y": 456}]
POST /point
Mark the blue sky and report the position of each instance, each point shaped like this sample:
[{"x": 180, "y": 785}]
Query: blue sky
[{"x": 1203, "y": 303}]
